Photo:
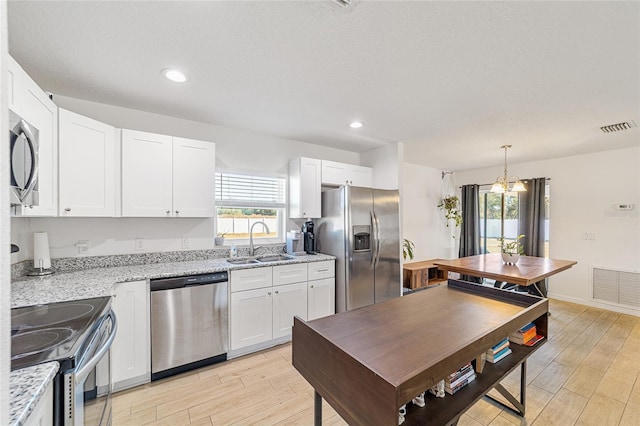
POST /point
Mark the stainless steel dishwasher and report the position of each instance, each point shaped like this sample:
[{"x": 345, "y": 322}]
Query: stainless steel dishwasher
[{"x": 189, "y": 323}]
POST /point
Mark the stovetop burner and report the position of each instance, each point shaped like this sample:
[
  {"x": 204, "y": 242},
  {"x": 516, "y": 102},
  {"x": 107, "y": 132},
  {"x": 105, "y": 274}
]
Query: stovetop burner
[
  {"x": 31, "y": 342},
  {"x": 53, "y": 332},
  {"x": 49, "y": 315}
]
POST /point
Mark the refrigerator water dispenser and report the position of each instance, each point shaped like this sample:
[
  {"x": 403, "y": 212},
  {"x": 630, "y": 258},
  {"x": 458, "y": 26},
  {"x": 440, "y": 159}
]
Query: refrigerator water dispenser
[{"x": 361, "y": 238}]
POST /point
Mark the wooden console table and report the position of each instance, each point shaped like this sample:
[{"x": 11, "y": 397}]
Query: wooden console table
[
  {"x": 422, "y": 274},
  {"x": 369, "y": 362}
]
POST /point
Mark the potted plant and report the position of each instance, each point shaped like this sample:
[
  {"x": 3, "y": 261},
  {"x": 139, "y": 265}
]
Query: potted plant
[
  {"x": 407, "y": 249},
  {"x": 511, "y": 250},
  {"x": 451, "y": 211},
  {"x": 219, "y": 240}
]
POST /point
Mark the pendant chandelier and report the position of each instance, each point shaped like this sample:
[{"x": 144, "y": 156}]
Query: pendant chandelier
[{"x": 501, "y": 184}]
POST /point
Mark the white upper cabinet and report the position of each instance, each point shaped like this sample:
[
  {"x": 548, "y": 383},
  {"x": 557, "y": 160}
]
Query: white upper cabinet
[
  {"x": 31, "y": 103},
  {"x": 87, "y": 166},
  {"x": 163, "y": 176},
  {"x": 146, "y": 174},
  {"x": 193, "y": 178},
  {"x": 305, "y": 182},
  {"x": 334, "y": 173}
]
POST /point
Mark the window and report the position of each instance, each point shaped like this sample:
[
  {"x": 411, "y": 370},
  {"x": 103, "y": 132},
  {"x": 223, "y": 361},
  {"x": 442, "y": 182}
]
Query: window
[
  {"x": 242, "y": 200},
  {"x": 490, "y": 219}
]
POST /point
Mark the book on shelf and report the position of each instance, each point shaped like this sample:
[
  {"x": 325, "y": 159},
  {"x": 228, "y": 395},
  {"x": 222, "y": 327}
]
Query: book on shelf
[
  {"x": 455, "y": 388},
  {"x": 459, "y": 373},
  {"x": 500, "y": 346},
  {"x": 523, "y": 335},
  {"x": 534, "y": 340},
  {"x": 497, "y": 357},
  {"x": 460, "y": 379}
]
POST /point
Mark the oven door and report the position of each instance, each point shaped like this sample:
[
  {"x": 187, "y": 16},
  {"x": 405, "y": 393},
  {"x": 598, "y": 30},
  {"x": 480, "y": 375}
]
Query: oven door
[{"x": 88, "y": 387}]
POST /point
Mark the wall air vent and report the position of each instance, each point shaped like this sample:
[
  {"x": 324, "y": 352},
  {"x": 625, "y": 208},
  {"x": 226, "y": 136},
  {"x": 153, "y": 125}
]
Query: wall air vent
[{"x": 618, "y": 127}]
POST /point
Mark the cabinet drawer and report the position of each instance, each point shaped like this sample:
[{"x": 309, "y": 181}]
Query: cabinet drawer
[
  {"x": 320, "y": 270},
  {"x": 248, "y": 279},
  {"x": 288, "y": 274}
]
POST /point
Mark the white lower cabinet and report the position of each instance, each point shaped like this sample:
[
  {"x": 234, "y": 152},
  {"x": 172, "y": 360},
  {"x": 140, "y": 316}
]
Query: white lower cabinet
[
  {"x": 265, "y": 300},
  {"x": 251, "y": 313},
  {"x": 321, "y": 298},
  {"x": 288, "y": 301},
  {"x": 42, "y": 414},
  {"x": 130, "y": 354}
]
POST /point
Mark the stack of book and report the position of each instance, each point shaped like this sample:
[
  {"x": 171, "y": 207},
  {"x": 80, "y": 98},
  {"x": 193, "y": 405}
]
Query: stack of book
[
  {"x": 499, "y": 351},
  {"x": 459, "y": 379},
  {"x": 527, "y": 335}
]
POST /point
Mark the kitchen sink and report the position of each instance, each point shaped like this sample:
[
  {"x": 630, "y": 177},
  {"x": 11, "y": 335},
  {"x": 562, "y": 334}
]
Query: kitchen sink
[
  {"x": 241, "y": 261},
  {"x": 274, "y": 258}
]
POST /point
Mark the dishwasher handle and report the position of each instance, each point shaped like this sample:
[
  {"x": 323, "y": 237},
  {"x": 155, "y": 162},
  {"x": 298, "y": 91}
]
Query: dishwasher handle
[{"x": 188, "y": 281}]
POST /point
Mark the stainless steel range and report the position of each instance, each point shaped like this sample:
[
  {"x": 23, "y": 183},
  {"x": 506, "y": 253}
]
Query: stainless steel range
[{"x": 77, "y": 334}]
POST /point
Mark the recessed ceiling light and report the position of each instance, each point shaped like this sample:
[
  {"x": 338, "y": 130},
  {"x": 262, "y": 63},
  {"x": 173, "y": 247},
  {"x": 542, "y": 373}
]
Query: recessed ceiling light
[
  {"x": 175, "y": 75},
  {"x": 355, "y": 124}
]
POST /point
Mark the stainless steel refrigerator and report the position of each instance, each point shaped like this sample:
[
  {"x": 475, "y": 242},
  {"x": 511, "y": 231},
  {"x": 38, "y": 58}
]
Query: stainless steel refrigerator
[{"x": 361, "y": 228}]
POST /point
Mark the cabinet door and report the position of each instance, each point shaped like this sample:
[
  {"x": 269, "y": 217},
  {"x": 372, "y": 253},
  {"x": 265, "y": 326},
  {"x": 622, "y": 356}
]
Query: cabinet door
[
  {"x": 15, "y": 77},
  {"x": 194, "y": 178},
  {"x": 146, "y": 174},
  {"x": 334, "y": 173},
  {"x": 87, "y": 166},
  {"x": 288, "y": 301},
  {"x": 305, "y": 182},
  {"x": 251, "y": 317},
  {"x": 130, "y": 354},
  {"x": 33, "y": 105},
  {"x": 321, "y": 298},
  {"x": 359, "y": 176}
]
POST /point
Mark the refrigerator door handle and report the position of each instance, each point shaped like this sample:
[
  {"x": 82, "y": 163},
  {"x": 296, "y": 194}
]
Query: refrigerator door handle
[{"x": 376, "y": 239}]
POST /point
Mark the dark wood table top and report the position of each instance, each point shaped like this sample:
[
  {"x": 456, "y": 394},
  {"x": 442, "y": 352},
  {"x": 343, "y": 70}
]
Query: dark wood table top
[
  {"x": 370, "y": 361},
  {"x": 527, "y": 271}
]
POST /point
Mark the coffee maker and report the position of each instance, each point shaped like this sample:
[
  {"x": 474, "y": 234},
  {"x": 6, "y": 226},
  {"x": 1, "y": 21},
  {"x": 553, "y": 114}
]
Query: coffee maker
[{"x": 309, "y": 238}]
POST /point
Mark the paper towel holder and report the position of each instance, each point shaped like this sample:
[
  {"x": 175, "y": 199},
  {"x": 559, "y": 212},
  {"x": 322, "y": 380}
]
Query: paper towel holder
[{"x": 41, "y": 257}]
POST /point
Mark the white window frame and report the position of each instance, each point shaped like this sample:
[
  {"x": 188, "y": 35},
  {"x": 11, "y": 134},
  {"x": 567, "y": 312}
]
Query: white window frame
[{"x": 247, "y": 200}]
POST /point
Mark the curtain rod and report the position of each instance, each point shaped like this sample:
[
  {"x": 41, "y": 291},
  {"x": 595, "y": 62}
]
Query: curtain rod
[{"x": 489, "y": 184}]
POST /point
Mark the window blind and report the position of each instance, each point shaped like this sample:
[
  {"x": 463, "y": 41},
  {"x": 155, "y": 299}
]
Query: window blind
[{"x": 241, "y": 190}]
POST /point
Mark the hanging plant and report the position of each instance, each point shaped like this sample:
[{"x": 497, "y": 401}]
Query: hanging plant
[{"x": 451, "y": 211}]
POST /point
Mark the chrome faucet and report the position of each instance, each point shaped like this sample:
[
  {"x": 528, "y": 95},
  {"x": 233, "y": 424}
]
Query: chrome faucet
[{"x": 251, "y": 235}]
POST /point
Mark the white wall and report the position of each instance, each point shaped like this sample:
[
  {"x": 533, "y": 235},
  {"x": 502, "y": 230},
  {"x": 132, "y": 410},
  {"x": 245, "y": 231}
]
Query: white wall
[
  {"x": 583, "y": 190},
  {"x": 235, "y": 149},
  {"x": 423, "y": 222}
]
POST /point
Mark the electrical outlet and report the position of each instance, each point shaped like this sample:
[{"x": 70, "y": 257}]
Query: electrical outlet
[
  {"x": 82, "y": 246},
  {"x": 139, "y": 244},
  {"x": 185, "y": 242}
]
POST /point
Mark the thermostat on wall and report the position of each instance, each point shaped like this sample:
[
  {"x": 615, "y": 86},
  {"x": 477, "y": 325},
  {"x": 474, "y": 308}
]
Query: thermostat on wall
[{"x": 623, "y": 206}]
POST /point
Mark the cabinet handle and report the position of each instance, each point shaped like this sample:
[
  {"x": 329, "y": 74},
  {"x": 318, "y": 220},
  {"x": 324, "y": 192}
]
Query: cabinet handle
[
  {"x": 68, "y": 209},
  {"x": 177, "y": 211},
  {"x": 276, "y": 291},
  {"x": 168, "y": 211},
  {"x": 322, "y": 270},
  {"x": 269, "y": 293},
  {"x": 30, "y": 207},
  {"x": 311, "y": 286}
]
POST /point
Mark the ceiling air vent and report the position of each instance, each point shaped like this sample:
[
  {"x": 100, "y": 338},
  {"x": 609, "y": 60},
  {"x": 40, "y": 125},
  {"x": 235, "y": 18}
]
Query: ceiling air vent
[
  {"x": 343, "y": 3},
  {"x": 618, "y": 127}
]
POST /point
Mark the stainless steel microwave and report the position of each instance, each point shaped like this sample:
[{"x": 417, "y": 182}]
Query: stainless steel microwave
[{"x": 24, "y": 161}]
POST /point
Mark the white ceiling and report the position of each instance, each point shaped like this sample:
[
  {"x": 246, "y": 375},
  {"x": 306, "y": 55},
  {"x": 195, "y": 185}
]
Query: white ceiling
[{"x": 452, "y": 80}]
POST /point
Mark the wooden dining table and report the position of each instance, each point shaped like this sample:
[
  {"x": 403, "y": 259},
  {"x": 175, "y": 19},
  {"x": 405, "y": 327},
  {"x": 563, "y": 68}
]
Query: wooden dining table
[{"x": 526, "y": 272}]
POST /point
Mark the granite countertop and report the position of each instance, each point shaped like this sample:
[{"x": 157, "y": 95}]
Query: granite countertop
[
  {"x": 27, "y": 386},
  {"x": 98, "y": 282}
]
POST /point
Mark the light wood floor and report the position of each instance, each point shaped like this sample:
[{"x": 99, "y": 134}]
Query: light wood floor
[{"x": 588, "y": 373}]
